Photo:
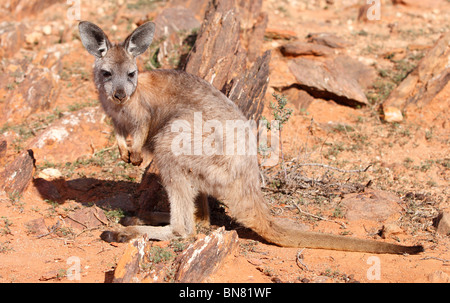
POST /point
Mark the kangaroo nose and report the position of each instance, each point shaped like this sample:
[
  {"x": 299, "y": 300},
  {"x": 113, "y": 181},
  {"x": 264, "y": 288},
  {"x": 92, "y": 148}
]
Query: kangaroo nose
[{"x": 120, "y": 95}]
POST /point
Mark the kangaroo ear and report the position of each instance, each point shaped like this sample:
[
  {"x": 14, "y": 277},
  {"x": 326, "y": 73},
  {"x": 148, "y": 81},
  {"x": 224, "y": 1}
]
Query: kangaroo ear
[
  {"x": 140, "y": 39},
  {"x": 94, "y": 39}
]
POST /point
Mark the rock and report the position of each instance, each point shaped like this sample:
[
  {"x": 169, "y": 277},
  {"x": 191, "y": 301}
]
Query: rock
[
  {"x": 47, "y": 30},
  {"x": 305, "y": 49},
  {"x": 18, "y": 174},
  {"x": 33, "y": 38},
  {"x": 12, "y": 37},
  {"x": 439, "y": 277},
  {"x": 392, "y": 114},
  {"x": 51, "y": 275},
  {"x": 129, "y": 264},
  {"x": 255, "y": 261},
  {"x": 297, "y": 97},
  {"x": 420, "y": 87},
  {"x": 374, "y": 205},
  {"x": 27, "y": 8},
  {"x": 75, "y": 135},
  {"x": 327, "y": 80},
  {"x": 173, "y": 27},
  {"x": 322, "y": 279},
  {"x": 174, "y": 20},
  {"x": 3, "y": 147},
  {"x": 198, "y": 7},
  {"x": 37, "y": 227},
  {"x": 277, "y": 34},
  {"x": 365, "y": 75},
  {"x": 442, "y": 223},
  {"x": 328, "y": 39},
  {"x": 255, "y": 35},
  {"x": 50, "y": 174},
  {"x": 38, "y": 89},
  {"x": 205, "y": 256},
  {"x": 389, "y": 230},
  {"x": 88, "y": 217}
]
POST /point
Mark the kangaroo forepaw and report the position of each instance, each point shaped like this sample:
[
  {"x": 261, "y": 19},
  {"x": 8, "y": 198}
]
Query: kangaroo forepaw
[
  {"x": 136, "y": 158},
  {"x": 124, "y": 155}
]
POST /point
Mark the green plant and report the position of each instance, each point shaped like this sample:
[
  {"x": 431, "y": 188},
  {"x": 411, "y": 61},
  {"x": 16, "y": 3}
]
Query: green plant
[
  {"x": 4, "y": 247},
  {"x": 5, "y": 230},
  {"x": 281, "y": 115},
  {"x": 14, "y": 197},
  {"x": 158, "y": 254},
  {"x": 114, "y": 215},
  {"x": 280, "y": 112}
]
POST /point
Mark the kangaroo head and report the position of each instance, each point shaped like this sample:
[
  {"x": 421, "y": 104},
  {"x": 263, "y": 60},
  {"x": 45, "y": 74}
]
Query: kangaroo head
[{"x": 115, "y": 70}]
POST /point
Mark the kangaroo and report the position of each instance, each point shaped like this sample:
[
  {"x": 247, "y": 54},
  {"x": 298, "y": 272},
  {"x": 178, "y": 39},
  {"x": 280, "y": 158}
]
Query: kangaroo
[{"x": 146, "y": 106}]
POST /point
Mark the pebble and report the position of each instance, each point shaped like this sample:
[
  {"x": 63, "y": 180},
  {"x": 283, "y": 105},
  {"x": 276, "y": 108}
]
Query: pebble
[{"x": 47, "y": 30}]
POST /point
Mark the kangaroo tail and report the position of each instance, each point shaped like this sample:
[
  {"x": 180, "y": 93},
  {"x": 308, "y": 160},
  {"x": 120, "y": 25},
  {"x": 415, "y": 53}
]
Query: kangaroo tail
[
  {"x": 285, "y": 233},
  {"x": 280, "y": 233}
]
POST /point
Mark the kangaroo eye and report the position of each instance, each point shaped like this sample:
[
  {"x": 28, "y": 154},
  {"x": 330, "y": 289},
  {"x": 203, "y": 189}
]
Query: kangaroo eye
[
  {"x": 132, "y": 74},
  {"x": 106, "y": 73}
]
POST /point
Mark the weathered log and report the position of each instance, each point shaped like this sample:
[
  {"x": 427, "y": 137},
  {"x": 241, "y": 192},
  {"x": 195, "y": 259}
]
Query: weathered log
[
  {"x": 205, "y": 256},
  {"x": 248, "y": 90},
  {"x": 220, "y": 56},
  {"x": 422, "y": 84},
  {"x": 217, "y": 52},
  {"x": 129, "y": 264}
]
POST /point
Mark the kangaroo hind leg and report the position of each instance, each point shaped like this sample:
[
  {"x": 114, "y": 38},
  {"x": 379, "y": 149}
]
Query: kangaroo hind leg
[{"x": 182, "y": 224}]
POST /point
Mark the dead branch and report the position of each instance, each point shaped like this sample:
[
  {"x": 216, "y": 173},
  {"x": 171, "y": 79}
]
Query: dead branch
[{"x": 335, "y": 168}]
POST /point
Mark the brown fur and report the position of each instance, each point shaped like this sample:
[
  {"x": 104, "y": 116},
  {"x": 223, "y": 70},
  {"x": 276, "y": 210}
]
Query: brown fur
[{"x": 164, "y": 96}]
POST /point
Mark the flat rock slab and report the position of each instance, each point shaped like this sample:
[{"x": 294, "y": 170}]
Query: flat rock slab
[
  {"x": 327, "y": 80},
  {"x": 77, "y": 134},
  {"x": 89, "y": 217},
  {"x": 300, "y": 48},
  {"x": 374, "y": 205},
  {"x": 328, "y": 39}
]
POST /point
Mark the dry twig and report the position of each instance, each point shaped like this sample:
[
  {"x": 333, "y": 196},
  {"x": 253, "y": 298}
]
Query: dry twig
[
  {"x": 317, "y": 217},
  {"x": 299, "y": 259}
]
